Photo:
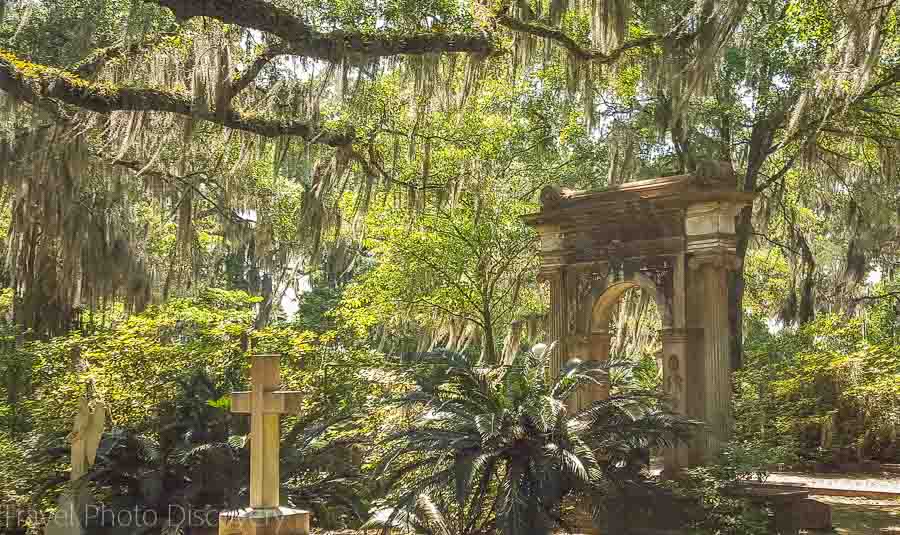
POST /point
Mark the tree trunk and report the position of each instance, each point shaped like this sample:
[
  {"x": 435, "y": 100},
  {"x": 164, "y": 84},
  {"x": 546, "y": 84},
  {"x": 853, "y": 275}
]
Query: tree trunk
[
  {"x": 487, "y": 343},
  {"x": 760, "y": 140}
]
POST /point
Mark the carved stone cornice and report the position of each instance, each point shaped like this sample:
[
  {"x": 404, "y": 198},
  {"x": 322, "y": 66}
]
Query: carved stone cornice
[{"x": 661, "y": 271}]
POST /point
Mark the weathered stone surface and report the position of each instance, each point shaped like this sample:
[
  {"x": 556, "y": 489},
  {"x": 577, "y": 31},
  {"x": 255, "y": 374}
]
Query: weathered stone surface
[
  {"x": 673, "y": 238},
  {"x": 278, "y": 521},
  {"x": 85, "y": 436},
  {"x": 811, "y": 514},
  {"x": 264, "y": 402}
]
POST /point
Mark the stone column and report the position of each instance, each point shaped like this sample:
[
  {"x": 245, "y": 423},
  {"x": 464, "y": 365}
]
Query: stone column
[
  {"x": 591, "y": 348},
  {"x": 553, "y": 271},
  {"x": 556, "y": 321},
  {"x": 676, "y": 370},
  {"x": 714, "y": 270},
  {"x": 710, "y": 232},
  {"x": 594, "y": 348},
  {"x": 579, "y": 348}
]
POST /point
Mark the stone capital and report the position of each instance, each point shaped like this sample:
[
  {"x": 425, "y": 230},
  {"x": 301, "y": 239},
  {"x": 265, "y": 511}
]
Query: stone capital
[
  {"x": 676, "y": 336},
  {"x": 724, "y": 260}
]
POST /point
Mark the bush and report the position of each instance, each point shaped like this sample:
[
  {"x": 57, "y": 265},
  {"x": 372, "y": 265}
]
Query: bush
[{"x": 824, "y": 392}]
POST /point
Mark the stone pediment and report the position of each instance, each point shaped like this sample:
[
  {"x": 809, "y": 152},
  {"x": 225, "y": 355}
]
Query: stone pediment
[
  {"x": 667, "y": 192},
  {"x": 647, "y": 216}
]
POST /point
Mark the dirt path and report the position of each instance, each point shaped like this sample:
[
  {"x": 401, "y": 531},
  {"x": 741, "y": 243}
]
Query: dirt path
[{"x": 881, "y": 483}]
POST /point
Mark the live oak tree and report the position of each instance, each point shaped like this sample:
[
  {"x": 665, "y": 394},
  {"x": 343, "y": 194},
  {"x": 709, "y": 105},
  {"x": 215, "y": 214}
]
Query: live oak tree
[
  {"x": 381, "y": 151},
  {"x": 249, "y": 121}
]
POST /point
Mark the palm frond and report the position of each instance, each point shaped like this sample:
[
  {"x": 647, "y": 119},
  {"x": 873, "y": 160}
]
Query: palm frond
[{"x": 431, "y": 515}]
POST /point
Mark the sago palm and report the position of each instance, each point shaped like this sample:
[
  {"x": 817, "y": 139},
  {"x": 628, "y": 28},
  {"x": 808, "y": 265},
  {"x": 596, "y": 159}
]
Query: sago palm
[{"x": 503, "y": 440}]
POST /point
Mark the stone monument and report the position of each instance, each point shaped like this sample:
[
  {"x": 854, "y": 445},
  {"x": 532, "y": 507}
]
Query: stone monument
[
  {"x": 264, "y": 403},
  {"x": 85, "y": 439},
  {"x": 673, "y": 237},
  {"x": 86, "y": 435}
]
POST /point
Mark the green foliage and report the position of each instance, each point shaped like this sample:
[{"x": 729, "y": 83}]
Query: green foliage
[
  {"x": 469, "y": 263},
  {"x": 710, "y": 501},
  {"x": 411, "y": 235},
  {"x": 499, "y": 444},
  {"x": 830, "y": 384},
  {"x": 315, "y": 309},
  {"x": 330, "y": 370},
  {"x": 165, "y": 375},
  {"x": 136, "y": 366},
  {"x": 767, "y": 279}
]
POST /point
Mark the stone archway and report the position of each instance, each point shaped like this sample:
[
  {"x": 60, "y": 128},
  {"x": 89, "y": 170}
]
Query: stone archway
[
  {"x": 600, "y": 335},
  {"x": 673, "y": 237},
  {"x": 605, "y": 302}
]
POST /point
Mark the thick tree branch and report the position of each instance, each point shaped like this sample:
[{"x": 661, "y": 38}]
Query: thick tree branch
[
  {"x": 587, "y": 54},
  {"x": 303, "y": 40},
  {"x": 249, "y": 74},
  {"x": 331, "y": 46},
  {"x": 38, "y": 85},
  {"x": 780, "y": 174},
  {"x": 886, "y": 295},
  {"x": 891, "y": 78},
  {"x": 777, "y": 243}
]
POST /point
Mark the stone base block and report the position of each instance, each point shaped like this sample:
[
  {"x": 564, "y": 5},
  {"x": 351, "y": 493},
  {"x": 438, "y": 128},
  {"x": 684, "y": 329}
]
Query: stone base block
[
  {"x": 280, "y": 521},
  {"x": 811, "y": 514}
]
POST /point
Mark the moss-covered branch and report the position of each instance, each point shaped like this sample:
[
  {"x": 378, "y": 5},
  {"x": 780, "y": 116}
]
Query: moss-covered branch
[
  {"x": 246, "y": 77},
  {"x": 38, "y": 85},
  {"x": 587, "y": 54},
  {"x": 303, "y": 40}
]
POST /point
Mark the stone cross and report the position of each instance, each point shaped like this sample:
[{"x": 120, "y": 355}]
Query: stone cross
[{"x": 264, "y": 403}]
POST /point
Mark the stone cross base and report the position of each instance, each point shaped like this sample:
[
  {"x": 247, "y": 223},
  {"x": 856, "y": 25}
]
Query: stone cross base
[{"x": 276, "y": 521}]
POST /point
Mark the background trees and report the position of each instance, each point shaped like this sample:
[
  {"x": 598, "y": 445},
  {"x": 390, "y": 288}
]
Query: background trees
[
  {"x": 464, "y": 275},
  {"x": 210, "y": 144},
  {"x": 825, "y": 394}
]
